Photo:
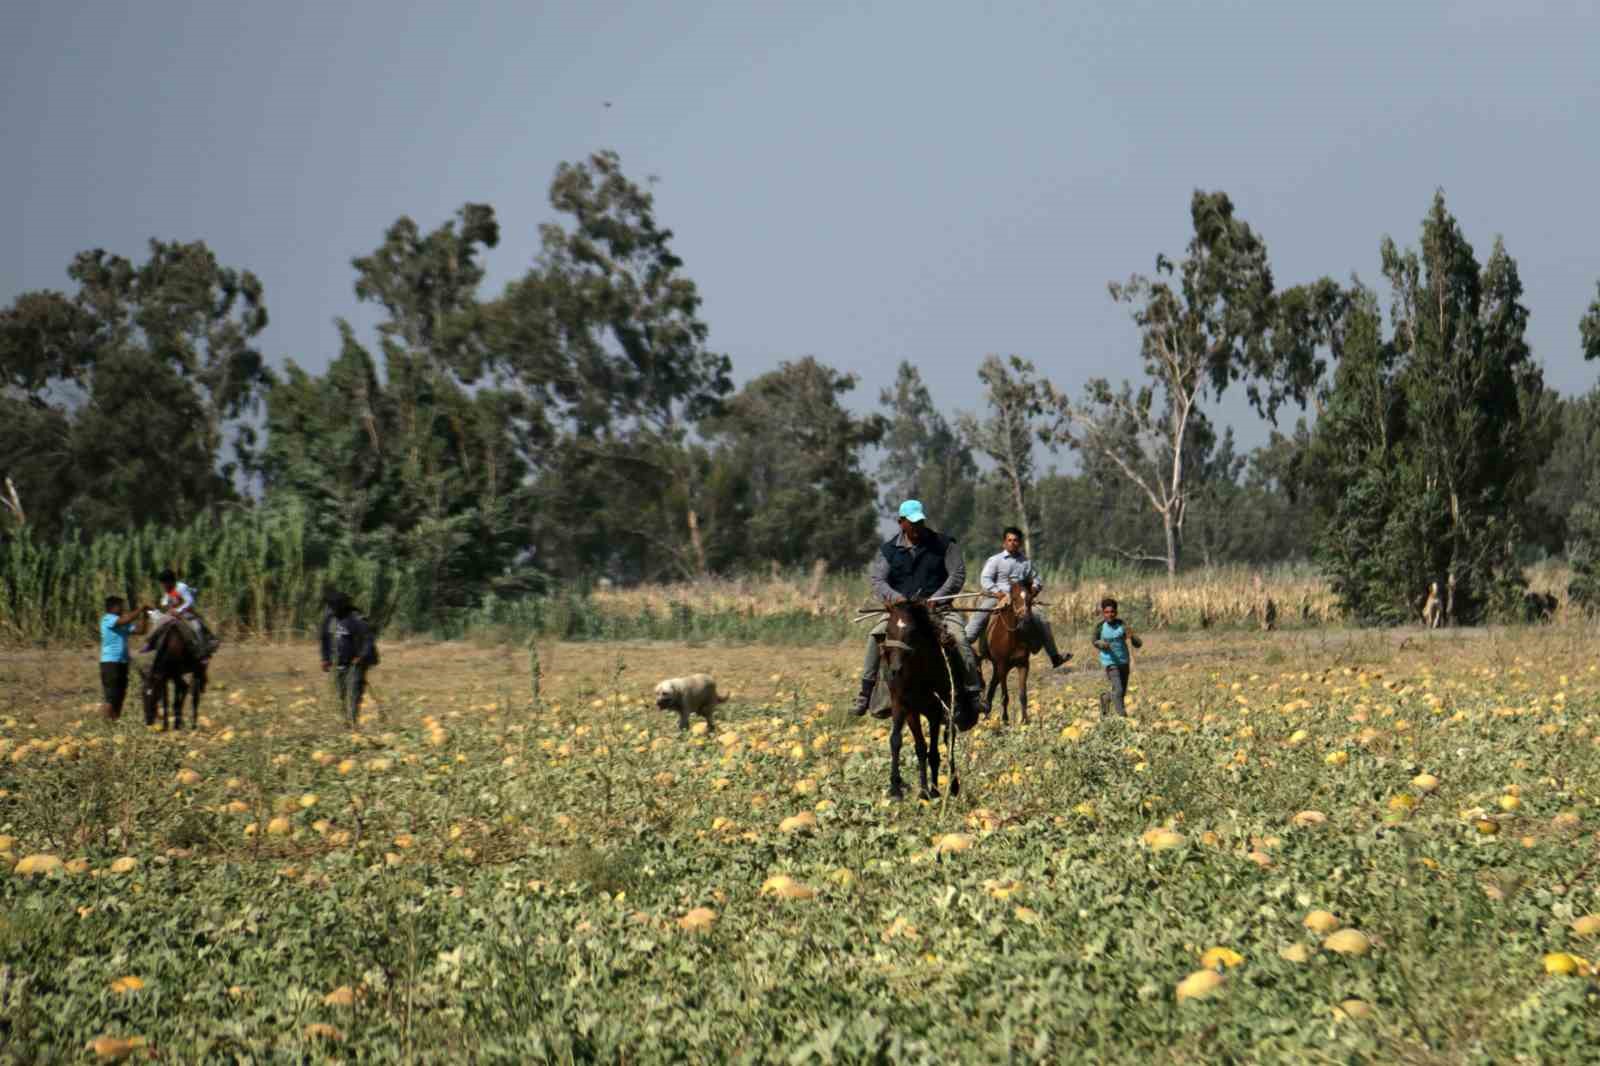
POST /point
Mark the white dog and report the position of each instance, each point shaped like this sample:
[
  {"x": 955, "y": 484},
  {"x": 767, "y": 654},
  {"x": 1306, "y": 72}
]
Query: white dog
[{"x": 695, "y": 694}]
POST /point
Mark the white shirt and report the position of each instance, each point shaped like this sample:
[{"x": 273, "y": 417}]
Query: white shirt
[{"x": 1002, "y": 569}]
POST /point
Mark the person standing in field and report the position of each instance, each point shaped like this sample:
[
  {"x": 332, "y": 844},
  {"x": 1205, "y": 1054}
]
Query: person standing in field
[
  {"x": 1013, "y": 565},
  {"x": 356, "y": 652},
  {"x": 1111, "y": 638},
  {"x": 115, "y": 626},
  {"x": 330, "y": 599}
]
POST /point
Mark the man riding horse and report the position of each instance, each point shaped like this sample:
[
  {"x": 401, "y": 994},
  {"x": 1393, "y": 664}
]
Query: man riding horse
[
  {"x": 1010, "y": 565},
  {"x": 919, "y": 564}
]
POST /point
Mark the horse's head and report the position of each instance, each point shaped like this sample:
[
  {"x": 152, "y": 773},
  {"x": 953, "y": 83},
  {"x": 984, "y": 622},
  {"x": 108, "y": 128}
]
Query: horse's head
[
  {"x": 910, "y": 631},
  {"x": 1020, "y": 601}
]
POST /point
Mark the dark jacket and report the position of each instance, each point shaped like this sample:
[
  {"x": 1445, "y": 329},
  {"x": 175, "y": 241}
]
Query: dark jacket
[
  {"x": 933, "y": 567},
  {"x": 353, "y": 640}
]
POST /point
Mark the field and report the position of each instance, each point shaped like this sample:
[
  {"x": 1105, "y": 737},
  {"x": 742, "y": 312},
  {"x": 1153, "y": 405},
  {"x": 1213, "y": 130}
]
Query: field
[{"x": 494, "y": 870}]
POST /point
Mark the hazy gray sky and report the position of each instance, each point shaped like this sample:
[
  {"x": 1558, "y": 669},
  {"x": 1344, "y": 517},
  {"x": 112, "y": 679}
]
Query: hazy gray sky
[{"x": 862, "y": 182}]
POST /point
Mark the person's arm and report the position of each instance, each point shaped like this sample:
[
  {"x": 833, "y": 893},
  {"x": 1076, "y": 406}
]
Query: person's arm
[
  {"x": 878, "y": 578},
  {"x": 1094, "y": 638},
  {"x": 130, "y": 617},
  {"x": 955, "y": 568},
  {"x": 185, "y": 599},
  {"x": 1036, "y": 581},
  {"x": 1135, "y": 641},
  {"x": 365, "y": 642},
  {"x": 989, "y": 577}
]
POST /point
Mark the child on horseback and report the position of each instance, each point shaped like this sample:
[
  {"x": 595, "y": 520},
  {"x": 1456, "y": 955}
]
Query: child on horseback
[
  {"x": 177, "y": 600},
  {"x": 1111, "y": 639}
]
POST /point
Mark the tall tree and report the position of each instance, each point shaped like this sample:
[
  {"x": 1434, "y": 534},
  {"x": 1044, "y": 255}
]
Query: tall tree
[
  {"x": 1433, "y": 438},
  {"x": 1205, "y": 322},
  {"x": 1007, "y": 435},
  {"x": 794, "y": 453},
  {"x": 924, "y": 458},
  {"x": 117, "y": 399},
  {"x": 604, "y": 338},
  {"x": 1583, "y": 527}
]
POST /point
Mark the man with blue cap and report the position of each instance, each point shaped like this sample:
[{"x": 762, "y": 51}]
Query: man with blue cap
[{"x": 918, "y": 564}]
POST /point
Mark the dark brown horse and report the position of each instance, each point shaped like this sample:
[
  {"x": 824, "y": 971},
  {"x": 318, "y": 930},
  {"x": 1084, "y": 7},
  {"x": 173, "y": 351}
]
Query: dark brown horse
[
  {"x": 919, "y": 677},
  {"x": 1011, "y": 642},
  {"x": 176, "y": 659}
]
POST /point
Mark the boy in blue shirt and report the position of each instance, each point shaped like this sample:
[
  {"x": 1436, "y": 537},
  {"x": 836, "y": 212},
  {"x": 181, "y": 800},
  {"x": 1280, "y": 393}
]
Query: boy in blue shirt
[
  {"x": 115, "y": 626},
  {"x": 1111, "y": 639}
]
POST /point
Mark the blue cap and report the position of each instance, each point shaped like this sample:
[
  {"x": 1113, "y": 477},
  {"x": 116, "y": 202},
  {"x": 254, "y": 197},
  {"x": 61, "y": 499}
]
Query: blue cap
[{"x": 911, "y": 511}]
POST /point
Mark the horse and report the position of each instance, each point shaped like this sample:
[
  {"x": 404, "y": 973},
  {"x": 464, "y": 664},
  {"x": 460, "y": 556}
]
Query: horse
[
  {"x": 1009, "y": 648},
  {"x": 175, "y": 658},
  {"x": 919, "y": 679}
]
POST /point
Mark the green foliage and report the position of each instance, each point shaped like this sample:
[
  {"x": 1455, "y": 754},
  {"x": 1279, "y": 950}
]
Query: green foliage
[
  {"x": 251, "y": 568},
  {"x": 1432, "y": 439},
  {"x": 116, "y": 401},
  {"x": 1006, "y": 436},
  {"x": 924, "y": 458},
  {"x": 1204, "y": 323}
]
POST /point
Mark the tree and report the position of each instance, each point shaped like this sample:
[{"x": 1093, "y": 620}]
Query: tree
[
  {"x": 1206, "y": 322},
  {"x": 116, "y": 399},
  {"x": 924, "y": 458},
  {"x": 1433, "y": 438},
  {"x": 793, "y": 453},
  {"x": 604, "y": 339},
  {"x": 1016, "y": 400},
  {"x": 1583, "y": 537}
]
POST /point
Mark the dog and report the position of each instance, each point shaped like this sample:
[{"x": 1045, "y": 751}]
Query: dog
[
  {"x": 694, "y": 694},
  {"x": 1433, "y": 609}
]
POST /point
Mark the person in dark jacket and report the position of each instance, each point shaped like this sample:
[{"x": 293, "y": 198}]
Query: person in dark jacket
[
  {"x": 919, "y": 564},
  {"x": 330, "y": 599},
  {"x": 355, "y": 651}
]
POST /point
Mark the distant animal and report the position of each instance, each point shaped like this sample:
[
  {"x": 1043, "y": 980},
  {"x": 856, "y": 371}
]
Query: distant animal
[
  {"x": 1010, "y": 643},
  {"x": 694, "y": 694},
  {"x": 919, "y": 682},
  {"x": 1433, "y": 609},
  {"x": 176, "y": 658},
  {"x": 1539, "y": 606}
]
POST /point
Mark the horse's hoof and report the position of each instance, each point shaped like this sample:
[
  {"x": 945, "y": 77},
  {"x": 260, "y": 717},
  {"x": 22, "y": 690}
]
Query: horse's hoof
[
  {"x": 930, "y": 793},
  {"x": 896, "y": 792},
  {"x": 955, "y": 789}
]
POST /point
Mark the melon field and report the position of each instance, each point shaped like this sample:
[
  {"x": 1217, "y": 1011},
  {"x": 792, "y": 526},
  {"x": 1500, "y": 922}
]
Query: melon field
[{"x": 1298, "y": 847}]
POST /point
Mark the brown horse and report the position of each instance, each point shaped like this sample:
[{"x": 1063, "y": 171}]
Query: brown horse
[
  {"x": 175, "y": 660},
  {"x": 1011, "y": 643},
  {"x": 919, "y": 676}
]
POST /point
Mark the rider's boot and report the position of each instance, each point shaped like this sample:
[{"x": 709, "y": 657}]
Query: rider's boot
[{"x": 863, "y": 699}]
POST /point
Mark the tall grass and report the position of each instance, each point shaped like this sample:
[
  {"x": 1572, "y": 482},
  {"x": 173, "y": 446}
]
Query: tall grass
[
  {"x": 250, "y": 569},
  {"x": 257, "y": 577}
]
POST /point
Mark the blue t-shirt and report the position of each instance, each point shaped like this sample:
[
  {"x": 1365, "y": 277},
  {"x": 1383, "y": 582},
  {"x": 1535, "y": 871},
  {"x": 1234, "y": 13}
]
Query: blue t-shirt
[
  {"x": 114, "y": 639},
  {"x": 1116, "y": 636}
]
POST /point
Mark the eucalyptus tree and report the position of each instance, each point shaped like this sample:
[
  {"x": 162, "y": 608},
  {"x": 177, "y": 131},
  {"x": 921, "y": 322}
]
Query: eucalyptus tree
[{"x": 1205, "y": 322}]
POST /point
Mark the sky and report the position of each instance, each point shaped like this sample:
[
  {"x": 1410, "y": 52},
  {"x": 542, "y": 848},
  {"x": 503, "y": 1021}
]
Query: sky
[{"x": 860, "y": 182}]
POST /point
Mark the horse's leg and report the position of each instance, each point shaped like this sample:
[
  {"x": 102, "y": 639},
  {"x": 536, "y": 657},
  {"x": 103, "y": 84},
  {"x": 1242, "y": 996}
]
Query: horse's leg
[
  {"x": 180, "y": 693},
  {"x": 1022, "y": 689},
  {"x": 933, "y": 759},
  {"x": 922, "y": 756},
  {"x": 1004, "y": 670},
  {"x": 994, "y": 683},
  {"x": 897, "y": 787},
  {"x": 198, "y": 689}
]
